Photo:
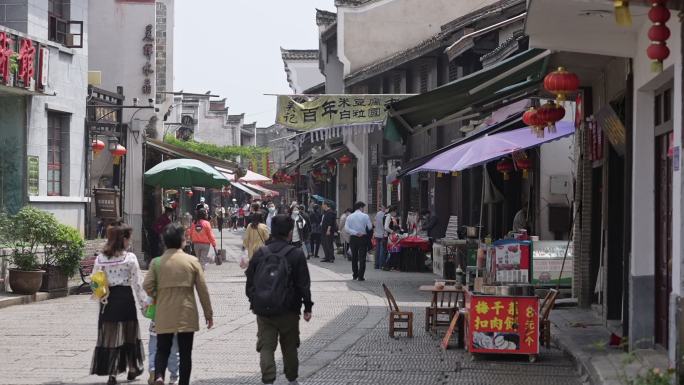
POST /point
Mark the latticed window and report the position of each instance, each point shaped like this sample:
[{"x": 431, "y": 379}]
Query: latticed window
[
  {"x": 453, "y": 71},
  {"x": 424, "y": 78},
  {"x": 57, "y": 132},
  {"x": 58, "y": 16}
]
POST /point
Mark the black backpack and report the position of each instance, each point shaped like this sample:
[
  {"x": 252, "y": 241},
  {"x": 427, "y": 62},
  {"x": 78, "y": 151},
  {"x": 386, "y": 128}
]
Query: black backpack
[{"x": 273, "y": 290}]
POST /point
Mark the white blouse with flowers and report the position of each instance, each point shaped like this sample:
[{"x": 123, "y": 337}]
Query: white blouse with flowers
[{"x": 122, "y": 270}]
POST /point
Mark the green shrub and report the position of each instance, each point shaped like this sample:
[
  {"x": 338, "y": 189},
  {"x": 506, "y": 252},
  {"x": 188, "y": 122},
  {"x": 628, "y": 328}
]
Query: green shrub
[{"x": 30, "y": 230}]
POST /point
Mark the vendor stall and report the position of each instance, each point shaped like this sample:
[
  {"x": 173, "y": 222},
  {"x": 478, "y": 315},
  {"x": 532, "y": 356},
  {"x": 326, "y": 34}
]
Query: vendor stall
[{"x": 503, "y": 325}]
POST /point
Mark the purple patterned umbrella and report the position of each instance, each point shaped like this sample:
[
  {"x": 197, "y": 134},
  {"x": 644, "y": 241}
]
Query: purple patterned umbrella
[{"x": 491, "y": 147}]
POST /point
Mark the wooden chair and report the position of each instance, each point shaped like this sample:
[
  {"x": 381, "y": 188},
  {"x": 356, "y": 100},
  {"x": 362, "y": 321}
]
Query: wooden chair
[
  {"x": 444, "y": 304},
  {"x": 85, "y": 268},
  {"x": 397, "y": 318},
  {"x": 544, "y": 322}
]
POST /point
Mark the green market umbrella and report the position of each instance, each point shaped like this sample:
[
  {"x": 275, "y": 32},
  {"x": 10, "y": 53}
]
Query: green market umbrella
[{"x": 176, "y": 173}]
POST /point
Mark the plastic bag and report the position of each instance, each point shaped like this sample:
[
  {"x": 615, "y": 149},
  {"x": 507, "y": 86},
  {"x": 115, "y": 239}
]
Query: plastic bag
[
  {"x": 99, "y": 286},
  {"x": 244, "y": 260}
]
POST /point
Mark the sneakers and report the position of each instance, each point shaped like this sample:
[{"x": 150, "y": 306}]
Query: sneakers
[
  {"x": 112, "y": 380},
  {"x": 173, "y": 381}
]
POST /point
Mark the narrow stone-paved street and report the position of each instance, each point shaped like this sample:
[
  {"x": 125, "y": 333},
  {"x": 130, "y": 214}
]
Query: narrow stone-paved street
[{"x": 51, "y": 342}]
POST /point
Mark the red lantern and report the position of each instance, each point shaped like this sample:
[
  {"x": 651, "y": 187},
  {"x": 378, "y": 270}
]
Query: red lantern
[
  {"x": 524, "y": 164},
  {"x": 396, "y": 182},
  {"x": 532, "y": 118},
  {"x": 344, "y": 160},
  {"x": 118, "y": 152},
  {"x": 189, "y": 193},
  {"x": 561, "y": 83},
  {"x": 97, "y": 146},
  {"x": 505, "y": 166},
  {"x": 331, "y": 164},
  {"x": 658, "y": 34},
  {"x": 549, "y": 114},
  {"x": 317, "y": 173}
]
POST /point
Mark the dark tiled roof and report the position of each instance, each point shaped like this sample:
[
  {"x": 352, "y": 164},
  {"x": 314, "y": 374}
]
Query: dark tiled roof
[
  {"x": 250, "y": 125},
  {"x": 217, "y": 105},
  {"x": 352, "y": 3},
  {"x": 235, "y": 119},
  {"x": 317, "y": 89},
  {"x": 325, "y": 17},
  {"x": 508, "y": 45},
  {"x": 299, "y": 54},
  {"x": 434, "y": 42}
]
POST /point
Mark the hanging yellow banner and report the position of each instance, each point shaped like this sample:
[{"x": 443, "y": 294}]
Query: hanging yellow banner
[{"x": 325, "y": 111}]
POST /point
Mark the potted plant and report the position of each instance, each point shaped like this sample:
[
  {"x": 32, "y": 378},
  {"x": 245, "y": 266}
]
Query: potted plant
[
  {"x": 64, "y": 248},
  {"x": 25, "y": 276}
]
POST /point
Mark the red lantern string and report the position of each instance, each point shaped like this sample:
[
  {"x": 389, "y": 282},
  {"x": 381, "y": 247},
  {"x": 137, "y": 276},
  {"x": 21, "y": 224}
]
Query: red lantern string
[{"x": 658, "y": 34}]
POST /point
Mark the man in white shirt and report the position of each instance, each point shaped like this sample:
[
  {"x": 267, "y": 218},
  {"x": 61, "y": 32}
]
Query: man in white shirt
[
  {"x": 380, "y": 238},
  {"x": 359, "y": 225}
]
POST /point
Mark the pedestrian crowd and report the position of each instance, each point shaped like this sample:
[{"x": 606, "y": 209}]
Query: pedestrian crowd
[{"x": 277, "y": 243}]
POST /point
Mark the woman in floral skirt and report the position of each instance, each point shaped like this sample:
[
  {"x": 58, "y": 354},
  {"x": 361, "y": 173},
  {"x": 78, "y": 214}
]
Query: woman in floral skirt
[{"x": 119, "y": 348}]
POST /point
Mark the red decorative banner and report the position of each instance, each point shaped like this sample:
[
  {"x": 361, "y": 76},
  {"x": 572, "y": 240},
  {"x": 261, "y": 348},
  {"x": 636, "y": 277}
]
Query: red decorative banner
[{"x": 503, "y": 325}]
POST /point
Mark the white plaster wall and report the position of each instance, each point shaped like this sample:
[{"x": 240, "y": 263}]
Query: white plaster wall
[
  {"x": 555, "y": 160},
  {"x": 358, "y": 145},
  {"x": 121, "y": 60},
  {"x": 67, "y": 80},
  {"x": 643, "y": 183},
  {"x": 211, "y": 127},
  {"x": 37, "y": 18},
  {"x": 72, "y": 214},
  {"x": 379, "y": 29},
  {"x": 643, "y": 202},
  {"x": 304, "y": 75}
]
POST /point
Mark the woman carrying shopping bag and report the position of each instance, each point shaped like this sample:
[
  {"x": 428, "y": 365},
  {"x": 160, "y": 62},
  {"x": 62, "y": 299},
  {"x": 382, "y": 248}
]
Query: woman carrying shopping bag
[
  {"x": 202, "y": 236},
  {"x": 119, "y": 347}
]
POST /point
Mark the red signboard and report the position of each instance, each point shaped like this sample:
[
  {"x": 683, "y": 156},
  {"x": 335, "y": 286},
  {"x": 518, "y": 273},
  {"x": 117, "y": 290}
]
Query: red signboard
[
  {"x": 508, "y": 325},
  {"x": 27, "y": 57},
  {"x": 5, "y": 54}
]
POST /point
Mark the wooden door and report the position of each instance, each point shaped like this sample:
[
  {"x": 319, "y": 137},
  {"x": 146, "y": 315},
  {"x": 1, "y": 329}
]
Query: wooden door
[{"x": 663, "y": 238}]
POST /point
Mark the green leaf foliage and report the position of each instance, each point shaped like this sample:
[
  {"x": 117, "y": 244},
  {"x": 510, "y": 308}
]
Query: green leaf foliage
[
  {"x": 221, "y": 152},
  {"x": 31, "y": 230}
]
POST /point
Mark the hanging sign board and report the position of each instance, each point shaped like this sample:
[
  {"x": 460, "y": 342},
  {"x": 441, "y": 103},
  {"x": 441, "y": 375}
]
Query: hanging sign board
[
  {"x": 323, "y": 111},
  {"x": 613, "y": 128},
  {"x": 33, "y": 169},
  {"x": 106, "y": 203}
]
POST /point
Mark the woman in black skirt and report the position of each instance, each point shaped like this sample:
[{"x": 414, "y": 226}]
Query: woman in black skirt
[{"x": 119, "y": 347}]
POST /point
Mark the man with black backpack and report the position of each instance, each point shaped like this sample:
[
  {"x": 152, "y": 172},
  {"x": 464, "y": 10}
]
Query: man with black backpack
[{"x": 278, "y": 284}]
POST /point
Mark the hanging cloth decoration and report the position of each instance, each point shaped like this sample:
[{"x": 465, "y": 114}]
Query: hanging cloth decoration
[{"x": 622, "y": 14}]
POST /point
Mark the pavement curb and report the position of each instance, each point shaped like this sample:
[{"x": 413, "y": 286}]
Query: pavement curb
[
  {"x": 582, "y": 361},
  {"x": 19, "y": 299}
]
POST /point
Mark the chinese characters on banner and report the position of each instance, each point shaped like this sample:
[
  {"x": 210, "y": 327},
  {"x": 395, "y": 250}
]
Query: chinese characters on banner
[
  {"x": 324, "y": 111},
  {"x": 148, "y": 51},
  {"x": 504, "y": 325}
]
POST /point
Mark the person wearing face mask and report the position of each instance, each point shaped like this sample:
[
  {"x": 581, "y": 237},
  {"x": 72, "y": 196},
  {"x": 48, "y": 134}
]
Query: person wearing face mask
[
  {"x": 271, "y": 213},
  {"x": 299, "y": 233}
]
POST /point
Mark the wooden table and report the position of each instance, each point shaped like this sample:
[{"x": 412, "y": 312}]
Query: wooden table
[{"x": 435, "y": 292}]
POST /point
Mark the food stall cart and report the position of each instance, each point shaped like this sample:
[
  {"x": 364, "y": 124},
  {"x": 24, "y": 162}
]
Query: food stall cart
[{"x": 503, "y": 313}]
